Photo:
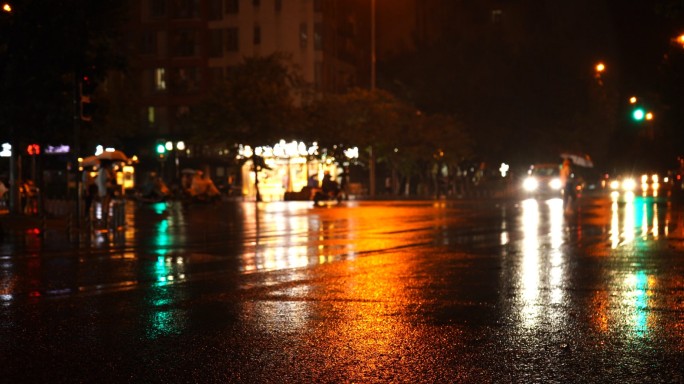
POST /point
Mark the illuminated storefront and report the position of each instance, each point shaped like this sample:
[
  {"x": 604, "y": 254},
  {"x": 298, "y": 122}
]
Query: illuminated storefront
[
  {"x": 289, "y": 167},
  {"x": 123, "y": 167}
]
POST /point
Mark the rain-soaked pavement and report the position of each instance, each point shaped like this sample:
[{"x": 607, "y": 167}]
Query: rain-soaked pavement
[{"x": 413, "y": 292}]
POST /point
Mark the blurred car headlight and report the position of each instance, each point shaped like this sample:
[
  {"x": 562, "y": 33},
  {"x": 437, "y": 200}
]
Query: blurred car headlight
[
  {"x": 629, "y": 185},
  {"x": 614, "y": 185},
  {"x": 555, "y": 184},
  {"x": 530, "y": 184}
]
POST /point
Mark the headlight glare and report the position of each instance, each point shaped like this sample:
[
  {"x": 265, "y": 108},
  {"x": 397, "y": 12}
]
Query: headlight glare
[
  {"x": 628, "y": 184},
  {"x": 530, "y": 184}
]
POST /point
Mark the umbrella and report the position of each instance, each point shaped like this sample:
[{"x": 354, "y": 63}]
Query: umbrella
[
  {"x": 579, "y": 160},
  {"x": 91, "y": 161},
  {"x": 188, "y": 171},
  {"x": 112, "y": 156}
]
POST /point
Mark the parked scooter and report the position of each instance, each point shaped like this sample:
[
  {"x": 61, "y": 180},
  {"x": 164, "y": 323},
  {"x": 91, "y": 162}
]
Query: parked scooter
[
  {"x": 329, "y": 191},
  {"x": 153, "y": 190},
  {"x": 201, "y": 190}
]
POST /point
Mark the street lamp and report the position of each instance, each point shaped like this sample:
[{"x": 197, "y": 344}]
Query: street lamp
[
  {"x": 6, "y": 7},
  {"x": 679, "y": 40},
  {"x": 600, "y": 67},
  {"x": 598, "y": 70},
  {"x": 371, "y": 154},
  {"x": 170, "y": 147},
  {"x": 373, "y": 48}
]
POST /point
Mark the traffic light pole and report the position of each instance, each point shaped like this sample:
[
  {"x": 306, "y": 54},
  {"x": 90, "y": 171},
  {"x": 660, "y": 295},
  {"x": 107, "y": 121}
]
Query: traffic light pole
[
  {"x": 76, "y": 171},
  {"x": 15, "y": 179}
]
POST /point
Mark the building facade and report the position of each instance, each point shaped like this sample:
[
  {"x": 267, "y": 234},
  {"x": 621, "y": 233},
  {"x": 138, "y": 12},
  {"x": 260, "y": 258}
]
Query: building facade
[{"x": 178, "y": 49}]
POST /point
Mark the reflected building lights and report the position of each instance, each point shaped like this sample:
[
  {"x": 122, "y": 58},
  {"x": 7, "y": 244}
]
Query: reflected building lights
[
  {"x": 644, "y": 221},
  {"x": 636, "y": 297},
  {"x": 656, "y": 227},
  {"x": 629, "y": 225},
  {"x": 298, "y": 240},
  {"x": 556, "y": 221},
  {"x": 614, "y": 225},
  {"x": 632, "y": 307},
  {"x": 530, "y": 262},
  {"x": 542, "y": 270}
]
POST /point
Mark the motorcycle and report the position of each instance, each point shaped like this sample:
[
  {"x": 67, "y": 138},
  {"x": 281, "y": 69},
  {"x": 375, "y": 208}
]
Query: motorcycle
[{"x": 322, "y": 198}]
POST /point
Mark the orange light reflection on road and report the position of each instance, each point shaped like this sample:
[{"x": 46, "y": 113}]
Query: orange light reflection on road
[
  {"x": 300, "y": 239},
  {"x": 372, "y": 296}
]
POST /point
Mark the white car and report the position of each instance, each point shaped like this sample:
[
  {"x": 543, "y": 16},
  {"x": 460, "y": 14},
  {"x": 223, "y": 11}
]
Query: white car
[{"x": 543, "y": 180}]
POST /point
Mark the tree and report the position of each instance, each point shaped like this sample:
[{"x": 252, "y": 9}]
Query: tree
[
  {"x": 256, "y": 105},
  {"x": 391, "y": 130}
]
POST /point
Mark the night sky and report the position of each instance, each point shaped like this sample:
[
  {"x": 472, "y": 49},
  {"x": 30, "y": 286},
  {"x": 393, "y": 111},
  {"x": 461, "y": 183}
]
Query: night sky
[{"x": 643, "y": 38}]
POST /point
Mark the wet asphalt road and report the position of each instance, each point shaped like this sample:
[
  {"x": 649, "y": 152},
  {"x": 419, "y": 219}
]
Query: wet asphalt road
[{"x": 506, "y": 291}]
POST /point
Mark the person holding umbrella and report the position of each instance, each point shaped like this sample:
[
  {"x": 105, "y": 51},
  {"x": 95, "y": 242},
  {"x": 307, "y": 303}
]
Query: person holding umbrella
[
  {"x": 105, "y": 181},
  {"x": 568, "y": 184}
]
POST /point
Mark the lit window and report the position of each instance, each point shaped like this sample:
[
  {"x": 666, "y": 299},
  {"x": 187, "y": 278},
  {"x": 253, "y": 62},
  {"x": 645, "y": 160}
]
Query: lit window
[
  {"x": 150, "y": 115},
  {"x": 160, "y": 79}
]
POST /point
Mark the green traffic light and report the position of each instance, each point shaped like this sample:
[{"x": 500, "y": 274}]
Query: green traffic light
[
  {"x": 161, "y": 149},
  {"x": 638, "y": 114}
]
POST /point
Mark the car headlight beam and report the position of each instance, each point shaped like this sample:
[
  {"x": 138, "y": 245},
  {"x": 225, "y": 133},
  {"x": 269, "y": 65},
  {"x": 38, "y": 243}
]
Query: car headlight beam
[
  {"x": 530, "y": 184},
  {"x": 628, "y": 185}
]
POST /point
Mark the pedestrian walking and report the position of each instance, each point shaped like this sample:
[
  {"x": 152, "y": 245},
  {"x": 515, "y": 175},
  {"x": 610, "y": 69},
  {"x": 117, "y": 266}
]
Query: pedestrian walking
[
  {"x": 105, "y": 182},
  {"x": 568, "y": 185},
  {"x": 89, "y": 191}
]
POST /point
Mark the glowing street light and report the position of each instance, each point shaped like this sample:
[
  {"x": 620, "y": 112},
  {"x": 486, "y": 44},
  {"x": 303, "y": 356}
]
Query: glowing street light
[
  {"x": 679, "y": 40},
  {"x": 600, "y": 67},
  {"x": 6, "y": 7}
]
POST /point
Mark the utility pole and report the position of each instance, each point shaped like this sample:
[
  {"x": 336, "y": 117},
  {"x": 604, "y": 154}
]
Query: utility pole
[{"x": 371, "y": 154}]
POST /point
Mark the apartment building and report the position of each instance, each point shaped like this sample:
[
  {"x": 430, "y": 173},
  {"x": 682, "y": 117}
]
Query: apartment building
[{"x": 178, "y": 49}]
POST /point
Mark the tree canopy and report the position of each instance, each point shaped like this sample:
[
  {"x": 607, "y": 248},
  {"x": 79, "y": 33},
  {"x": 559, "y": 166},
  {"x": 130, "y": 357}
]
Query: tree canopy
[{"x": 256, "y": 104}]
